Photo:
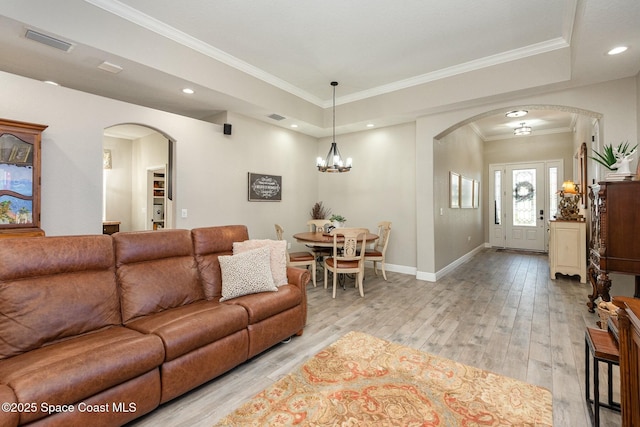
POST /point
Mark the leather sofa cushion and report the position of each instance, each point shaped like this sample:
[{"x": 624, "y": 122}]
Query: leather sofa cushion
[
  {"x": 52, "y": 288},
  {"x": 266, "y": 304},
  {"x": 208, "y": 244},
  {"x": 72, "y": 370},
  {"x": 155, "y": 271},
  {"x": 188, "y": 328}
]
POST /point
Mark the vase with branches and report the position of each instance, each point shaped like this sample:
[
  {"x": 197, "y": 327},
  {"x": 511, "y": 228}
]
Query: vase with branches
[{"x": 318, "y": 211}]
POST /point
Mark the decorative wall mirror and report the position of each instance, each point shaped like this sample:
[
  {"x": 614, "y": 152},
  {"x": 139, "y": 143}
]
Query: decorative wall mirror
[{"x": 582, "y": 155}]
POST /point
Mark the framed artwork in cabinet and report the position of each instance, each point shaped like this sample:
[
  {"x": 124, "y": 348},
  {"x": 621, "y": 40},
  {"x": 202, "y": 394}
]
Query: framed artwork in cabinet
[{"x": 20, "y": 177}]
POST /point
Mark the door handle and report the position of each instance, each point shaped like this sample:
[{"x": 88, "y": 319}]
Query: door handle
[{"x": 541, "y": 214}]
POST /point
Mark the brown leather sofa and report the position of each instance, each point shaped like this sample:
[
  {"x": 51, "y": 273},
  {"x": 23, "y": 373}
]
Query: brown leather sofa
[{"x": 99, "y": 330}]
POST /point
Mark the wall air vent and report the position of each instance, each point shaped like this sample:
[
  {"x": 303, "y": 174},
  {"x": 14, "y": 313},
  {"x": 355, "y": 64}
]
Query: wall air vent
[
  {"x": 277, "y": 117},
  {"x": 110, "y": 68},
  {"x": 48, "y": 40}
]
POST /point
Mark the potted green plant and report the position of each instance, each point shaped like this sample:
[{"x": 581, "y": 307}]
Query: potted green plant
[
  {"x": 338, "y": 220},
  {"x": 610, "y": 157}
]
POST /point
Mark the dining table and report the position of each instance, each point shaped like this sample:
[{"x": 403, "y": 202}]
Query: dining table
[{"x": 325, "y": 240}]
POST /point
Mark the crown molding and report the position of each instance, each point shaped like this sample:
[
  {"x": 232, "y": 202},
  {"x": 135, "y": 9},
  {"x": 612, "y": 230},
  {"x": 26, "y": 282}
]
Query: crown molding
[
  {"x": 488, "y": 61},
  {"x": 145, "y": 21}
]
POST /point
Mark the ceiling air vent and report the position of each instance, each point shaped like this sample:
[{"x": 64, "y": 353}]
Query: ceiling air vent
[
  {"x": 48, "y": 40},
  {"x": 277, "y": 117}
]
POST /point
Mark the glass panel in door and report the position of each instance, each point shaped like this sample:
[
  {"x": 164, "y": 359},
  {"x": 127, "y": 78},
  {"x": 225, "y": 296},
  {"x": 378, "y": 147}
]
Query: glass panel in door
[{"x": 525, "y": 213}]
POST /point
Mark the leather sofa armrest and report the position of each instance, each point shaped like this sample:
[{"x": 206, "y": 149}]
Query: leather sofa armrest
[
  {"x": 299, "y": 277},
  {"x": 8, "y": 416}
]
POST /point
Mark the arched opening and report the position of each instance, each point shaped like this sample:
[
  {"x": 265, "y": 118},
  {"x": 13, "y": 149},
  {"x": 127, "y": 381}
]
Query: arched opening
[
  {"x": 484, "y": 147},
  {"x": 138, "y": 178}
]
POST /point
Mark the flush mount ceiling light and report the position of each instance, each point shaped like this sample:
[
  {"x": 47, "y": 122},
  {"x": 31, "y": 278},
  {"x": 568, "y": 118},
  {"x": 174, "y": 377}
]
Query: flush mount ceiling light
[
  {"x": 333, "y": 161},
  {"x": 516, "y": 113},
  {"x": 617, "y": 50},
  {"x": 522, "y": 130}
]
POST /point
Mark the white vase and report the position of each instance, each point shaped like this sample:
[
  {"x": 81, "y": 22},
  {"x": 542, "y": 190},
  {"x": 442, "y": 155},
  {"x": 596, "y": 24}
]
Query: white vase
[{"x": 338, "y": 224}]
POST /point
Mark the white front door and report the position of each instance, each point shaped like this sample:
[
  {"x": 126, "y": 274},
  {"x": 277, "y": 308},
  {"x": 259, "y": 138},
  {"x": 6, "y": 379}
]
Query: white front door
[
  {"x": 523, "y": 196},
  {"x": 524, "y": 212}
]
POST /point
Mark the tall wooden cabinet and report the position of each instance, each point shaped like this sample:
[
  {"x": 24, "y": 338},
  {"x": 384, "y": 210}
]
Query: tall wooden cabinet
[
  {"x": 615, "y": 231},
  {"x": 20, "y": 178},
  {"x": 628, "y": 334}
]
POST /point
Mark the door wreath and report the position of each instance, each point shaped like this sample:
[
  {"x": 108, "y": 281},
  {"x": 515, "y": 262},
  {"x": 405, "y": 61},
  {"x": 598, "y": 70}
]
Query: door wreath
[{"x": 524, "y": 191}]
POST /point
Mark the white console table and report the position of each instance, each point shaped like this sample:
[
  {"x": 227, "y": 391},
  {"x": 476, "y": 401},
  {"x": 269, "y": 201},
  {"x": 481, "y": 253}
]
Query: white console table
[{"x": 568, "y": 248}]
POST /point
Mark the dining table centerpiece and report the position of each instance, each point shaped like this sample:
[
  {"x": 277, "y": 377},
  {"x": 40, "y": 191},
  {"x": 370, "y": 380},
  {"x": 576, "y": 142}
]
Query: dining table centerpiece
[
  {"x": 318, "y": 211},
  {"x": 338, "y": 220}
]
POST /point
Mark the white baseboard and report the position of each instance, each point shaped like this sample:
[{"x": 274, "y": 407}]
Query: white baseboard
[
  {"x": 433, "y": 277},
  {"x": 404, "y": 269},
  {"x": 428, "y": 276}
]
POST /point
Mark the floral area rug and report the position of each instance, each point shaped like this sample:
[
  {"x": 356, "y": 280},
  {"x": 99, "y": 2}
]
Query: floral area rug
[{"x": 361, "y": 380}]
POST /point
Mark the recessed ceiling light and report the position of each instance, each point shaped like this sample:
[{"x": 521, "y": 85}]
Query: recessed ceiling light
[
  {"x": 188, "y": 91},
  {"x": 617, "y": 50},
  {"x": 49, "y": 82},
  {"x": 516, "y": 113},
  {"x": 370, "y": 125},
  {"x": 294, "y": 125}
]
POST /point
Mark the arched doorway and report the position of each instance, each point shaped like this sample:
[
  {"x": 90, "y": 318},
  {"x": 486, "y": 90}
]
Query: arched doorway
[
  {"x": 137, "y": 178},
  {"x": 552, "y": 151}
]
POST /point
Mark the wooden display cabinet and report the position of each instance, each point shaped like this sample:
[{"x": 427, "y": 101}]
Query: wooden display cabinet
[
  {"x": 20, "y": 179},
  {"x": 614, "y": 245}
]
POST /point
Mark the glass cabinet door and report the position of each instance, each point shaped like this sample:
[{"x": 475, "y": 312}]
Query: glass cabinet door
[{"x": 19, "y": 175}]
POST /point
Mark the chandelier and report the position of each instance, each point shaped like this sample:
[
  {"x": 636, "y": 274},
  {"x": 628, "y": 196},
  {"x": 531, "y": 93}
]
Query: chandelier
[
  {"x": 522, "y": 130},
  {"x": 333, "y": 162}
]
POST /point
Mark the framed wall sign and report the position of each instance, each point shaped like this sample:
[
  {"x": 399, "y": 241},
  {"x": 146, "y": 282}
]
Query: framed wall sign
[{"x": 265, "y": 188}]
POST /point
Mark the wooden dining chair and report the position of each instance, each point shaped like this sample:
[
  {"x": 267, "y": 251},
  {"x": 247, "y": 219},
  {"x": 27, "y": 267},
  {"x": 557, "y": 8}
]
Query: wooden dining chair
[
  {"x": 319, "y": 226},
  {"x": 347, "y": 256},
  {"x": 378, "y": 252},
  {"x": 299, "y": 259}
]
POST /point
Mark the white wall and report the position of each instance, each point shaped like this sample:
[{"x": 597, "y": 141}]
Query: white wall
[
  {"x": 379, "y": 187},
  {"x": 118, "y": 195},
  {"x": 457, "y": 231}
]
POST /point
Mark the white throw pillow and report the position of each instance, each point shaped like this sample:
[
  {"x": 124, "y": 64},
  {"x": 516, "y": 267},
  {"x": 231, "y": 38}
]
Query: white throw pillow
[
  {"x": 246, "y": 273},
  {"x": 278, "y": 252}
]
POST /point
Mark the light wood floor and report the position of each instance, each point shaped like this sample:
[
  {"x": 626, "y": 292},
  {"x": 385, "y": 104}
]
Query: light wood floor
[{"x": 499, "y": 311}]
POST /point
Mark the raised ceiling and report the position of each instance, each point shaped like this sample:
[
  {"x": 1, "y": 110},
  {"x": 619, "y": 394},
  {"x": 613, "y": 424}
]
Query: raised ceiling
[{"x": 394, "y": 61}]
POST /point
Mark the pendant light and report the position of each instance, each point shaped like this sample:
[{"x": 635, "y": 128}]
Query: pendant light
[
  {"x": 333, "y": 162},
  {"x": 522, "y": 130}
]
